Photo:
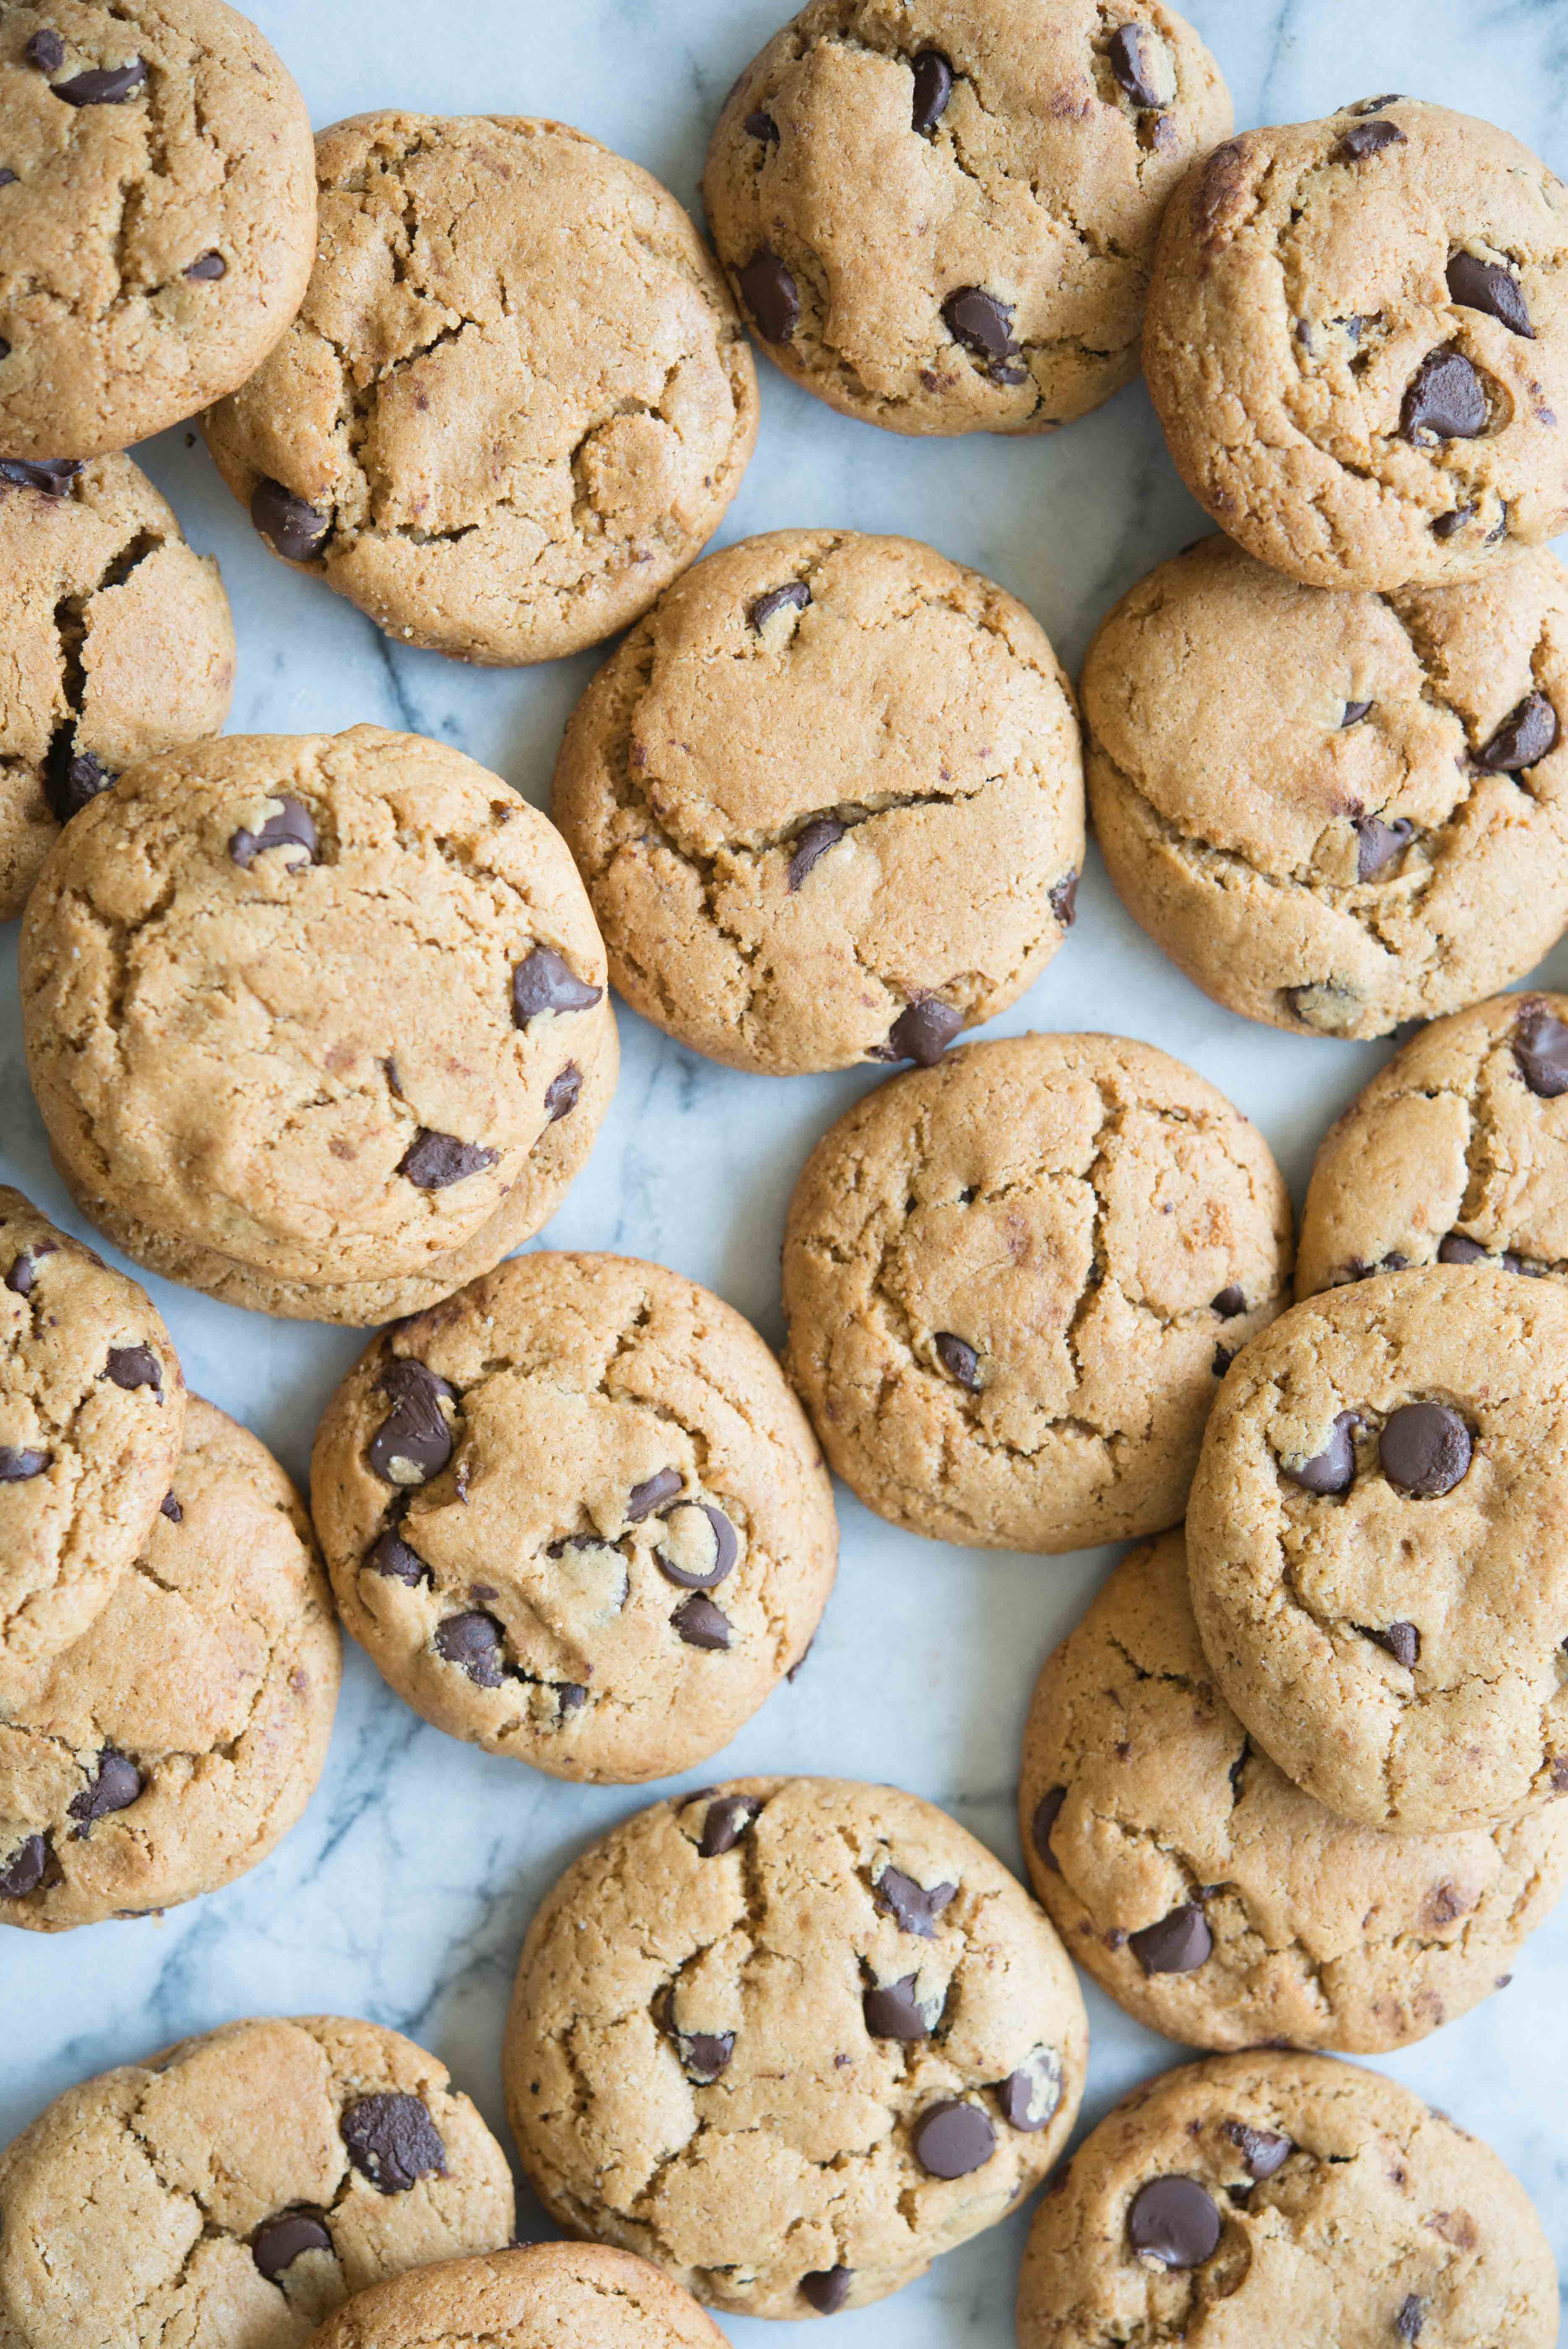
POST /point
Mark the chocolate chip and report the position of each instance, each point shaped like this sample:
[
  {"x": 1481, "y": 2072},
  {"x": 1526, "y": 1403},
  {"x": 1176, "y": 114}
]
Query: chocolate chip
[
  {"x": 913, "y": 1908},
  {"x": 278, "y": 2243},
  {"x": 1128, "y": 52},
  {"x": 72, "y": 777},
  {"x": 1063, "y": 900},
  {"x": 1047, "y": 1810},
  {"x": 7, "y": 179},
  {"x": 761, "y": 125},
  {"x": 544, "y": 982},
  {"x": 1332, "y": 1470},
  {"x": 1525, "y": 737},
  {"x": 433, "y": 1162},
  {"x": 1177, "y": 1944},
  {"x": 958, "y": 1358},
  {"x": 1424, "y": 1449},
  {"x": 1229, "y": 1303},
  {"x": 563, "y": 1094},
  {"x": 1261, "y": 2151},
  {"x": 23, "y": 1277},
  {"x": 50, "y": 474},
  {"x": 704, "y": 2054},
  {"x": 390, "y": 1555},
  {"x": 170, "y": 1507},
  {"x": 793, "y": 596},
  {"x": 291, "y": 525},
  {"x": 951, "y": 2138},
  {"x": 1412, "y": 2315},
  {"x": 923, "y": 1032},
  {"x": 770, "y": 294},
  {"x": 1402, "y": 1640},
  {"x": 727, "y": 1821},
  {"x": 697, "y": 1550},
  {"x": 892, "y": 2011},
  {"x": 1373, "y": 104},
  {"x": 980, "y": 322},
  {"x": 17, "y": 1464},
  {"x": 1486, "y": 286},
  {"x": 1540, "y": 1050},
  {"x": 206, "y": 268},
  {"x": 24, "y": 1871},
  {"x": 116, "y": 1784},
  {"x": 292, "y": 827},
  {"x": 1447, "y": 525},
  {"x": 414, "y": 1442},
  {"x": 45, "y": 50},
  {"x": 1173, "y": 2220},
  {"x": 103, "y": 86},
  {"x": 827, "y": 2289},
  {"x": 1363, "y": 138},
  {"x": 134, "y": 1366},
  {"x": 475, "y": 1644},
  {"x": 1030, "y": 2096},
  {"x": 701, "y": 1624},
  {"x": 813, "y": 843},
  {"x": 1444, "y": 400},
  {"x": 1456, "y": 1248},
  {"x": 644, "y": 1498},
  {"x": 933, "y": 87},
  {"x": 570, "y": 1696},
  {"x": 392, "y": 2141}
]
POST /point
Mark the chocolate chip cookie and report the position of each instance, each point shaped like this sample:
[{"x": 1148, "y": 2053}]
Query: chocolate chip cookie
[
  {"x": 1456, "y": 1152},
  {"x": 1376, "y": 1533},
  {"x": 1014, "y": 1282},
  {"x": 539, "y": 2297},
  {"x": 827, "y": 799},
  {"x": 118, "y": 644},
  {"x": 307, "y": 1004},
  {"x": 790, "y": 2038},
  {"x": 92, "y": 1407},
  {"x": 517, "y": 399},
  {"x": 157, "y": 216},
  {"x": 172, "y": 1746},
  {"x": 1212, "y": 1898},
  {"x": 1214, "y": 2200},
  {"x": 1335, "y": 812},
  {"x": 1357, "y": 343},
  {"x": 239, "y": 2187},
  {"x": 575, "y": 1516},
  {"x": 939, "y": 218}
]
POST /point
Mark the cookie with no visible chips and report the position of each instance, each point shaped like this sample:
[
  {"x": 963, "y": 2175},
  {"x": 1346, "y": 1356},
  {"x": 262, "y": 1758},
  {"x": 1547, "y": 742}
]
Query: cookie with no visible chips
[
  {"x": 539, "y": 2296},
  {"x": 790, "y": 2038}
]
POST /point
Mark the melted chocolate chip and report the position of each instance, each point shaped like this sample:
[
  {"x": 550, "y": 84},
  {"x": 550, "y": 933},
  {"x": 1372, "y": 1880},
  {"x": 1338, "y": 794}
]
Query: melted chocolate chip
[
  {"x": 103, "y": 86},
  {"x": 50, "y": 474},
  {"x": 134, "y": 1366},
  {"x": 1047, "y": 1811},
  {"x": 793, "y": 596},
  {"x": 1380, "y": 845},
  {"x": 1064, "y": 900},
  {"x": 770, "y": 294},
  {"x": 697, "y": 1550},
  {"x": 1229, "y": 1303},
  {"x": 704, "y": 2054},
  {"x": 1447, "y": 525},
  {"x": 701, "y": 1624},
  {"x": 893, "y": 2011},
  {"x": 958, "y": 1359},
  {"x": 728, "y": 1819},
  {"x": 45, "y": 50},
  {"x": 1456, "y": 1247},
  {"x": 1540, "y": 1050},
  {"x": 23, "y": 1872},
  {"x": 73, "y": 779},
  {"x": 1030, "y": 2096},
  {"x": 23, "y": 1277},
  {"x": 933, "y": 87},
  {"x": 170, "y": 1507},
  {"x": 390, "y": 1555},
  {"x": 563, "y": 1094},
  {"x": 1486, "y": 286},
  {"x": 392, "y": 2141},
  {"x": 115, "y": 1786},
  {"x": 1261, "y": 2151},
  {"x": 7, "y": 179},
  {"x": 1332, "y": 1470},
  {"x": 923, "y": 1032},
  {"x": 812, "y": 844},
  {"x": 1128, "y": 51},
  {"x": 644, "y": 1498},
  {"x": 1424, "y": 1449},
  {"x": 278, "y": 2243},
  {"x": 413, "y": 1442},
  {"x": 827, "y": 2289},
  {"x": 1444, "y": 401},
  {"x": 544, "y": 982},
  {"x": 206, "y": 268},
  {"x": 476, "y": 1642},
  {"x": 291, "y": 828},
  {"x": 1173, "y": 2220},
  {"x": 1364, "y": 139},
  {"x": 1523, "y": 739},
  {"x": 981, "y": 322},
  {"x": 291, "y": 525},
  {"x": 1177, "y": 1944},
  {"x": 19, "y": 1464},
  {"x": 1402, "y": 1640},
  {"x": 761, "y": 125},
  {"x": 433, "y": 1162},
  {"x": 1412, "y": 2315},
  {"x": 952, "y": 2139},
  {"x": 913, "y": 1908}
]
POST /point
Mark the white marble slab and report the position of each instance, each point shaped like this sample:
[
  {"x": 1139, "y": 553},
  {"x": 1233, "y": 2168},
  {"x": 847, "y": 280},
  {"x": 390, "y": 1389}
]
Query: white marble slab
[{"x": 404, "y": 1892}]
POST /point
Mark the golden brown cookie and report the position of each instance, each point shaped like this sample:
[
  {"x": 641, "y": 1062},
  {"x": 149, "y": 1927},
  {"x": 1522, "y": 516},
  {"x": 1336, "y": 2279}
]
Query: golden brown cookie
[{"x": 537, "y": 2296}]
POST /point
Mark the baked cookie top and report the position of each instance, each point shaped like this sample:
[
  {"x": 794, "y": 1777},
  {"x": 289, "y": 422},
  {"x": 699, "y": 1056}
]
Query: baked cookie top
[{"x": 533, "y": 2296}]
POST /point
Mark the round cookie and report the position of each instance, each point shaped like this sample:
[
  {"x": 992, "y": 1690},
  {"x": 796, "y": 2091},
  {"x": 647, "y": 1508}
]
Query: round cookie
[
  {"x": 306, "y": 1002},
  {"x": 1456, "y": 1153},
  {"x": 1357, "y": 340},
  {"x": 1379, "y": 1543},
  {"x": 940, "y": 217},
  {"x": 1015, "y": 1281},
  {"x": 1335, "y": 812},
  {"x": 827, "y": 799},
  {"x": 92, "y": 1407},
  {"x": 172, "y": 1746},
  {"x": 540, "y": 2297},
  {"x": 517, "y": 399},
  {"x": 1213, "y": 1899},
  {"x": 1214, "y": 2198},
  {"x": 157, "y": 216},
  {"x": 576, "y": 1517},
  {"x": 118, "y": 644},
  {"x": 791, "y": 2038},
  {"x": 239, "y": 2187}
]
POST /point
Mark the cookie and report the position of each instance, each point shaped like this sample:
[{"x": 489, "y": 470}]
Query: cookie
[
  {"x": 790, "y": 2038},
  {"x": 92, "y": 1406},
  {"x": 517, "y": 399},
  {"x": 239, "y": 2187},
  {"x": 1014, "y": 1282},
  {"x": 157, "y": 217},
  {"x": 1456, "y": 1152},
  {"x": 575, "y": 1516},
  {"x": 1376, "y": 1472},
  {"x": 1213, "y": 2198},
  {"x": 172, "y": 1746},
  {"x": 1213, "y": 1899},
  {"x": 939, "y": 218},
  {"x": 541, "y": 2296},
  {"x": 118, "y": 644},
  {"x": 306, "y": 1002},
  {"x": 827, "y": 799},
  {"x": 1357, "y": 340},
  {"x": 1335, "y": 812}
]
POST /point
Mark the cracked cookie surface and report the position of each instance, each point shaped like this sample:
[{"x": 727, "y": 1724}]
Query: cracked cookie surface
[
  {"x": 1015, "y": 1281},
  {"x": 1378, "y": 1542},
  {"x": 157, "y": 222},
  {"x": 1335, "y": 814},
  {"x": 1213, "y": 1899},
  {"x": 830, "y": 789},
  {"x": 239, "y": 2187},
  {"x": 306, "y": 1003},
  {"x": 1224, "y": 2192},
  {"x": 576, "y": 1517},
  {"x": 172, "y": 1746},
  {"x": 120, "y": 643},
  {"x": 1357, "y": 340},
  {"x": 92, "y": 1407},
  {"x": 938, "y": 214},
  {"x": 517, "y": 399},
  {"x": 790, "y": 2038},
  {"x": 540, "y": 2297}
]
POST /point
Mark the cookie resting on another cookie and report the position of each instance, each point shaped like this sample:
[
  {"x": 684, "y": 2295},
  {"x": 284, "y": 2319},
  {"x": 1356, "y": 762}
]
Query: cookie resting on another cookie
[{"x": 537, "y": 2296}]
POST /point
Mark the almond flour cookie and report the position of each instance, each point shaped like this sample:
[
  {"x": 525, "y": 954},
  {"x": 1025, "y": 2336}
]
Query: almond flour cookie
[
  {"x": 940, "y": 217},
  {"x": 1378, "y": 1540},
  {"x": 1335, "y": 812},
  {"x": 575, "y": 1516},
  {"x": 1213, "y": 1899},
  {"x": 517, "y": 399},
  {"x": 92, "y": 1407},
  {"x": 1013, "y": 1283},
  {"x": 791, "y": 2038},
  {"x": 1215, "y": 2200},
  {"x": 239, "y": 2187},
  {"x": 1357, "y": 343},
  {"x": 306, "y": 1003},
  {"x": 1456, "y": 1152},
  {"x": 541, "y": 2296},
  {"x": 172, "y": 1746},
  {"x": 157, "y": 216},
  {"x": 827, "y": 799},
  {"x": 118, "y": 644}
]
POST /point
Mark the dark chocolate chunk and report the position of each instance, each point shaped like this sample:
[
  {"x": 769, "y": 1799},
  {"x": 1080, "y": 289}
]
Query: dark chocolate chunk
[
  {"x": 1229, "y": 1303},
  {"x": 1047, "y": 1810},
  {"x": 952, "y": 2139},
  {"x": 45, "y": 50},
  {"x": 1455, "y": 1249},
  {"x": 544, "y": 982},
  {"x": 1174, "y": 2221},
  {"x": 812, "y": 844},
  {"x": 1063, "y": 900},
  {"x": 1523, "y": 739},
  {"x": 278, "y": 2243},
  {"x": 50, "y": 474},
  {"x": 1127, "y": 50},
  {"x": 1487, "y": 285},
  {"x": 23, "y": 1872},
  {"x": 770, "y": 294},
  {"x": 761, "y": 125},
  {"x": 701, "y": 1624},
  {"x": 206, "y": 268},
  {"x": 704, "y": 2054},
  {"x": 433, "y": 1162},
  {"x": 392, "y": 2141},
  {"x": 1402, "y": 1640},
  {"x": 103, "y": 85},
  {"x": 1363, "y": 138},
  {"x": 827, "y": 2289},
  {"x": 1332, "y": 1470},
  {"x": 1260, "y": 2150},
  {"x": 1444, "y": 401},
  {"x": 644, "y": 1498},
  {"x": 414, "y": 1442},
  {"x": 1030, "y": 2096},
  {"x": 793, "y": 596},
  {"x": 913, "y": 1908},
  {"x": 1380, "y": 844},
  {"x": 390, "y": 1555},
  {"x": 892, "y": 2011},
  {"x": 7, "y": 179},
  {"x": 1424, "y": 1449},
  {"x": 476, "y": 1642},
  {"x": 958, "y": 1359},
  {"x": 291, "y": 525},
  {"x": 291, "y": 828},
  {"x": 72, "y": 777},
  {"x": 698, "y": 1550},
  {"x": 19, "y": 1463},
  {"x": 923, "y": 1032},
  {"x": 1447, "y": 525},
  {"x": 728, "y": 1819},
  {"x": 23, "y": 1277},
  {"x": 1412, "y": 2315},
  {"x": 563, "y": 1094},
  {"x": 1178, "y": 1944},
  {"x": 170, "y": 1507},
  {"x": 1540, "y": 1050},
  {"x": 980, "y": 323},
  {"x": 933, "y": 87},
  {"x": 115, "y": 1786},
  {"x": 134, "y": 1366}
]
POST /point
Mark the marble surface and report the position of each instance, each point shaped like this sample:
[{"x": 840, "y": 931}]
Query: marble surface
[{"x": 405, "y": 1890}]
